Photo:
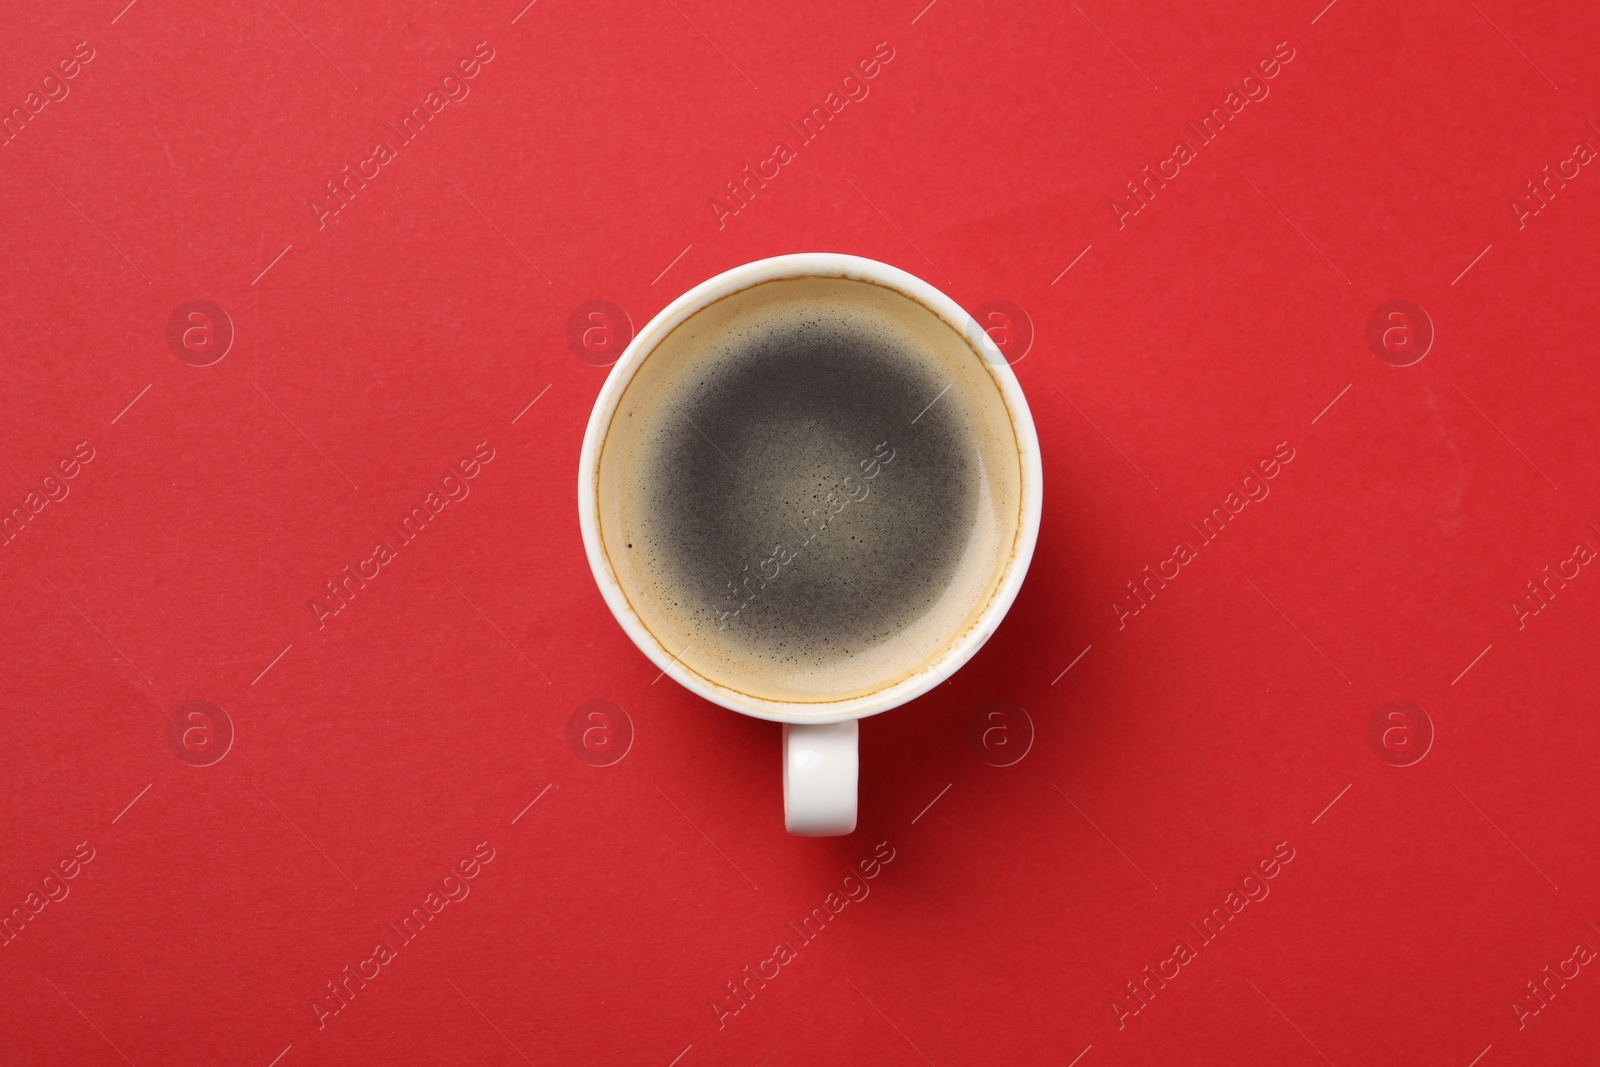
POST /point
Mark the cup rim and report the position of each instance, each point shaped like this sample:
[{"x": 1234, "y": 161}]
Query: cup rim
[{"x": 775, "y": 268}]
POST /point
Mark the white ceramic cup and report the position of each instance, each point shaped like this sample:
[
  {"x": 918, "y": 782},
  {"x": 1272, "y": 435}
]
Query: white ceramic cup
[{"x": 820, "y": 758}]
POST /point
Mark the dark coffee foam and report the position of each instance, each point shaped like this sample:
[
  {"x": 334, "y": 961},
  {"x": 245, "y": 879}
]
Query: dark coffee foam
[
  {"x": 742, "y": 474},
  {"x": 809, "y": 489}
]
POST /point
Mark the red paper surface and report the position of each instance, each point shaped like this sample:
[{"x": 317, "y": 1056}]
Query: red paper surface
[{"x": 1442, "y": 860}]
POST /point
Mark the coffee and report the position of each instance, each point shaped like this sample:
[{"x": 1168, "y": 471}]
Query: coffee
[{"x": 810, "y": 489}]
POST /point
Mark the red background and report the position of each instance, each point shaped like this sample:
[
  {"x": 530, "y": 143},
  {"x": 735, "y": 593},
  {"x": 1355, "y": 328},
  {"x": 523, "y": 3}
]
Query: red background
[{"x": 373, "y": 753}]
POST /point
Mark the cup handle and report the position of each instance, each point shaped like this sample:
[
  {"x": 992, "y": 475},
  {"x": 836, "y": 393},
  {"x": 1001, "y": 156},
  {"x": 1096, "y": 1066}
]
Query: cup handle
[{"x": 820, "y": 767}]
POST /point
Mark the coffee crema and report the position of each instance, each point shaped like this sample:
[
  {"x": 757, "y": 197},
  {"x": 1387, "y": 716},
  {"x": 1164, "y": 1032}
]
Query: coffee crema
[{"x": 810, "y": 489}]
